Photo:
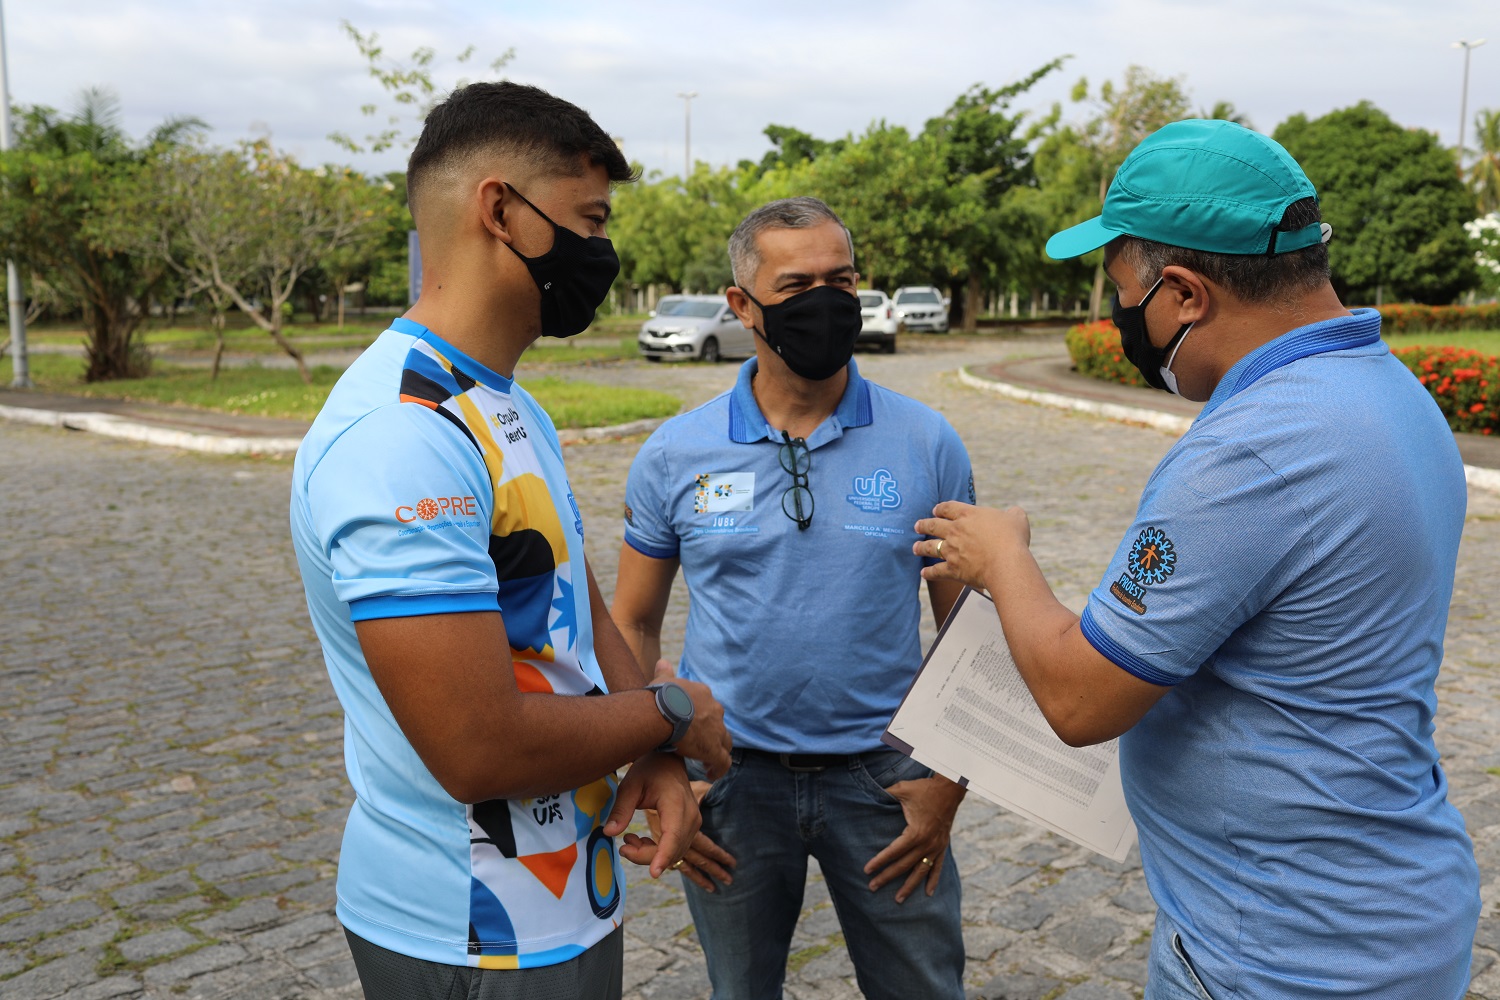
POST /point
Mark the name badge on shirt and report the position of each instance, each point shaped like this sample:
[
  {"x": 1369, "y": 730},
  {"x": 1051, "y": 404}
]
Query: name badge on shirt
[{"x": 717, "y": 492}]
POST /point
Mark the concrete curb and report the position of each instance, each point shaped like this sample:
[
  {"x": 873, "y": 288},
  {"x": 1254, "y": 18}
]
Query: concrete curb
[
  {"x": 1477, "y": 476},
  {"x": 112, "y": 425}
]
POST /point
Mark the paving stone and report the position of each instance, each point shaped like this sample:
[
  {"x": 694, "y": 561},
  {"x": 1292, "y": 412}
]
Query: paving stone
[
  {"x": 148, "y": 946},
  {"x": 1019, "y": 986},
  {"x": 198, "y": 963},
  {"x": 1087, "y": 938},
  {"x": 62, "y": 977},
  {"x": 1096, "y": 991}
]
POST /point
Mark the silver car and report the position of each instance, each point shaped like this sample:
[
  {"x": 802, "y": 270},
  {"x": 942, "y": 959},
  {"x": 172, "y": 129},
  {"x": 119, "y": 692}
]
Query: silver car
[
  {"x": 695, "y": 326},
  {"x": 922, "y": 307}
]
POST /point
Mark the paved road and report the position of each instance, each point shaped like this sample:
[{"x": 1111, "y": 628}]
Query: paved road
[{"x": 171, "y": 783}]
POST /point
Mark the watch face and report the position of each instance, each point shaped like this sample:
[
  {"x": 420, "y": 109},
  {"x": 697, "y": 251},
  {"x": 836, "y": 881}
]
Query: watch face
[{"x": 678, "y": 701}]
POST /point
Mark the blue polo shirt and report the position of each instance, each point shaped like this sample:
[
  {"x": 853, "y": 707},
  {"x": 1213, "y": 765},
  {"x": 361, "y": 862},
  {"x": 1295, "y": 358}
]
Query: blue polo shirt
[
  {"x": 808, "y": 638},
  {"x": 1289, "y": 574}
]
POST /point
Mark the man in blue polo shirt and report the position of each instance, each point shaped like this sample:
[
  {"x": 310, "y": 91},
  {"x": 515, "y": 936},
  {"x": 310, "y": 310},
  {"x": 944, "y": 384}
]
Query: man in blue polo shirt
[
  {"x": 1268, "y": 635},
  {"x": 788, "y": 503}
]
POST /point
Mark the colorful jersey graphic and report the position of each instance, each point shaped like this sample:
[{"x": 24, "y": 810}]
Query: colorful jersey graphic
[{"x": 432, "y": 485}]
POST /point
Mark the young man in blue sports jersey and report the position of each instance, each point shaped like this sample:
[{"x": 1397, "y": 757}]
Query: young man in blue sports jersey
[
  {"x": 488, "y": 698},
  {"x": 788, "y": 502},
  {"x": 1266, "y": 640}
]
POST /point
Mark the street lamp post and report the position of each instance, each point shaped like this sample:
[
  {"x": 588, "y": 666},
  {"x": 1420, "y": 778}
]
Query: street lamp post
[
  {"x": 687, "y": 134},
  {"x": 20, "y": 368},
  {"x": 1463, "y": 104}
]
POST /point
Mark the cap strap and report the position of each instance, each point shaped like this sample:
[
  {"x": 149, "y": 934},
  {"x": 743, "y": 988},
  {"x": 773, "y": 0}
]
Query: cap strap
[{"x": 1297, "y": 239}]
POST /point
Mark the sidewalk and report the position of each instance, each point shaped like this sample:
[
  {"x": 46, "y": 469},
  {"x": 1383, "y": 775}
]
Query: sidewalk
[
  {"x": 1051, "y": 381},
  {"x": 203, "y": 430}
]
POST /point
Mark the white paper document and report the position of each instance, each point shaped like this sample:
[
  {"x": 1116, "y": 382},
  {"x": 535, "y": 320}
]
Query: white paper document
[{"x": 970, "y": 717}]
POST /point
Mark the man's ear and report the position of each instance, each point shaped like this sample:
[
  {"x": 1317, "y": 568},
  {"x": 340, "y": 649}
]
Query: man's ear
[
  {"x": 495, "y": 200},
  {"x": 742, "y": 306},
  {"x": 1188, "y": 291}
]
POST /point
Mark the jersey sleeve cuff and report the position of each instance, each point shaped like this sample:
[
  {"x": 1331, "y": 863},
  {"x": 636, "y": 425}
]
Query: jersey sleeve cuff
[
  {"x": 647, "y": 549},
  {"x": 1119, "y": 655},
  {"x": 368, "y": 608}
]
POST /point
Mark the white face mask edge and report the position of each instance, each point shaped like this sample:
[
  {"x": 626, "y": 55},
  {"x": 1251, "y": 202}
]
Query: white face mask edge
[{"x": 1166, "y": 369}]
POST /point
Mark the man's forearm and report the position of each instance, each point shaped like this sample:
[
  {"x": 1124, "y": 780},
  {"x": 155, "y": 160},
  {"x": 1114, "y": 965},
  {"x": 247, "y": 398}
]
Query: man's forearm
[{"x": 1034, "y": 621}]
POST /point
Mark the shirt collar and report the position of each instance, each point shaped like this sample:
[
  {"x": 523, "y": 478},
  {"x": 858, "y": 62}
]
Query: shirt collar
[
  {"x": 476, "y": 371},
  {"x": 748, "y": 425},
  {"x": 1341, "y": 333}
]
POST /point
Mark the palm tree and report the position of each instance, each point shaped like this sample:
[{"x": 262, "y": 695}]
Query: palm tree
[
  {"x": 1225, "y": 111},
  {"x": 1484, "y": 174}
]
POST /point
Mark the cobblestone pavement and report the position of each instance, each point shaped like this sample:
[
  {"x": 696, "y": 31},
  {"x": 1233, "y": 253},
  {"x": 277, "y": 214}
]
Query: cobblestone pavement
[{"x": 171, "y": 782}]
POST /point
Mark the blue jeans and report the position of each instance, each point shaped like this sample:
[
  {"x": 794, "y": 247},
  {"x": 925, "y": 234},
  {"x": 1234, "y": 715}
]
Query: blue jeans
[
  {"x": 772, "y": 819},
  {"x": 1169, "y": 972}
]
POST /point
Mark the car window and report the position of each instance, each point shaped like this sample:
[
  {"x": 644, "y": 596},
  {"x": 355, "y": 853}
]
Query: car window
[
  {"x": 669, "y": 306},
  {"x": 920, "y": 298},
  {"x": 869, "y": 301},
  {"x": 697, "y": 310}
]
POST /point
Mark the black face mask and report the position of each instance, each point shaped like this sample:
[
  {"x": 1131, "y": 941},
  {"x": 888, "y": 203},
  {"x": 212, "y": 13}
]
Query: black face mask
[
  {"x": 1154, "y": 363},
  {"x": 813, "y": 331},
  {"x": 573, "y": 277}
]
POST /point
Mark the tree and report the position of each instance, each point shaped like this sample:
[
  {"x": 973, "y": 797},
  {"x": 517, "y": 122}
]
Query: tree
[
  {"x": 410, "y": 86},
  {"x": 1484, "y": 173},
  {"x": 63, "y": 173},
  {"x": 982, "y": 141},
  {"x": 244, "y": 225},
  {"x": 1395, "y": 202},
  {"x": 1122, "y": 117},
  {"x": 1485, "y": 234}
]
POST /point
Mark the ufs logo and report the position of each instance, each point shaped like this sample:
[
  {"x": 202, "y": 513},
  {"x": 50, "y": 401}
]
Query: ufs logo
[
  {"x": 1152, "y": 559},
  {"x": 875, "y": 492}
]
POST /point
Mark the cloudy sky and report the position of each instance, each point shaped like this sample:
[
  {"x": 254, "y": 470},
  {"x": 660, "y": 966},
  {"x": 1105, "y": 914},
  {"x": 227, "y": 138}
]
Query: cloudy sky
[{"x": 284, "y": 67}]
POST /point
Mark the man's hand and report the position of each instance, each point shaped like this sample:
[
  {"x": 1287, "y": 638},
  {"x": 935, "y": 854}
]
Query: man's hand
[
  {"x": 707, "y": 740},
  {"x": 971, "y": 541},
  {"x": 929, "y": 805},
  {"x": 659, "y": 782},
  {"x": 704, "y": 860}
]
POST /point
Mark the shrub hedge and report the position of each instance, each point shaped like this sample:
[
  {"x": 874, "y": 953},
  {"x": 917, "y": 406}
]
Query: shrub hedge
[
  {"x": 1411, "y": 318},
  {"x": 1095, "y": 350},
  {"x": 1465, "y": 384}
]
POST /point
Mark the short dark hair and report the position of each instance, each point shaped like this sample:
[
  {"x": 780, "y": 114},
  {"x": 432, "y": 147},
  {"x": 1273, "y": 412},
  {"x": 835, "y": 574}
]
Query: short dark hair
[
  {"x": 1250, "y": 277},
  {"x": 516, "y": 120}
]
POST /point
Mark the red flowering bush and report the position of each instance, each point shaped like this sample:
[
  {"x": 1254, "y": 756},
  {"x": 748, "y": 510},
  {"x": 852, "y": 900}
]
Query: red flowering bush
[
  {"x": 1095, "y": 350},
  {"x": 1466, "y": 384},
  {"x": 1412, "y": 318}
]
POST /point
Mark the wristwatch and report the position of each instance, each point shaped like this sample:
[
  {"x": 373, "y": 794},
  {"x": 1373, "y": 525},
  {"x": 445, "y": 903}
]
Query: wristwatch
[{"x": 676, "y": 706}]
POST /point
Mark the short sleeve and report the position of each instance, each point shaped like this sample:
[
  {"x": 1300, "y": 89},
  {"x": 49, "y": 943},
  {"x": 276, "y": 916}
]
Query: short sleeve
[
  {"x": 401, "y": 505},
  {"x": 955, "y": 474},
  {"x": 1218, "y": 535},
  {"x": 648, "y": 520}
]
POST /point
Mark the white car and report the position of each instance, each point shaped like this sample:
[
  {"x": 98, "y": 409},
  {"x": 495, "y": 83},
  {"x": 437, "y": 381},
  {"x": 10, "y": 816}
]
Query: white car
[
  {"x": 879, "y": 320},
  {"x": 694, "y": 326},
  {"x": 922, "y": 307}
]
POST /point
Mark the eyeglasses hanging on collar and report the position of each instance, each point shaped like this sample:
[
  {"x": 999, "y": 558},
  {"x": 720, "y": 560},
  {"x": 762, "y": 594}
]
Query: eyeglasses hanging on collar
[{"x": 797, "y": 501}]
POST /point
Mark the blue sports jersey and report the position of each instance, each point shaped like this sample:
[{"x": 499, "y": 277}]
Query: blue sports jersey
[
  {"x": 430, "y": 485},
  {"x": 1289, "y": 573},
  {"x": 809, "y": 638}
]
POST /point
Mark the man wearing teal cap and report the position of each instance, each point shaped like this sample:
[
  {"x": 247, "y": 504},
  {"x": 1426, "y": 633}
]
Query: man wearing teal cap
[{"x": 1267, "y": 638}]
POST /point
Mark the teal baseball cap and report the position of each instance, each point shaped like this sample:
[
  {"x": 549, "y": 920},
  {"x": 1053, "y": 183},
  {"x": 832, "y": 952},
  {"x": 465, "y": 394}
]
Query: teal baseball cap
[{"x": 1203, "y": 185}]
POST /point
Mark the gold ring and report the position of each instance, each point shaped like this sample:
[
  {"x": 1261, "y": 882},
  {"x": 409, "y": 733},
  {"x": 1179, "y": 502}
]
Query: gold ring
[
  {"x": 927, "y": 862},
  {"x": 939, "y": 550},
  {"x": 679, "y": 863}
]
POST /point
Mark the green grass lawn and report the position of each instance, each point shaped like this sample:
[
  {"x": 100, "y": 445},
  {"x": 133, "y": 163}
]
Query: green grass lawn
[
  {"x": 1483, "y": 341},
  {"x": 275, "y": 392},
  {"x": 610, "y": 338}
]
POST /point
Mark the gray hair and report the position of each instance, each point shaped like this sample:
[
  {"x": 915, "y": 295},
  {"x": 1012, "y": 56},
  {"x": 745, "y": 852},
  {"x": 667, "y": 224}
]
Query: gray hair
[{"x": 787, "y": 213}]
